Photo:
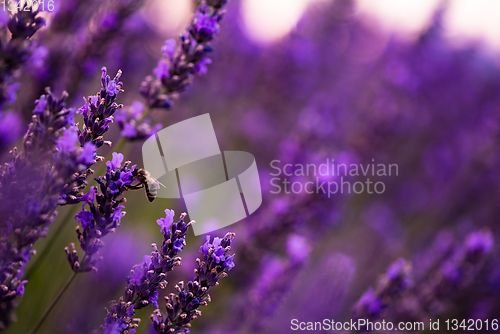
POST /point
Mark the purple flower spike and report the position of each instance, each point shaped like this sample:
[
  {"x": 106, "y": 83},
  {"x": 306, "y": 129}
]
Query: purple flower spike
[
  {"x": 104, "y": 212},
  {"x": 184, "y": 59},
  {"x": 97, "y": 111},
  {"x": 19, "y": 49},
  {"x": 182, "y": 307},
  {"x": 32, "y": 183},
  {"x": 150, "y": 275},
  {"x": 390, "y": 288},
  {"x": 110, "y": 87},
  {"x": 401, "y": 295}
]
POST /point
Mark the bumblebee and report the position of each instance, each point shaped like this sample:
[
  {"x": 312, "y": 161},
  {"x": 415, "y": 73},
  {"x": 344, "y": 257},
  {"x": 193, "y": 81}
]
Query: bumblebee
[{"x": 146, "y": 181}]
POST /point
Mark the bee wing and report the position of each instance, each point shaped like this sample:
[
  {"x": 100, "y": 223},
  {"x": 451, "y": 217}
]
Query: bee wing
[{"x": 156, "y": 182}]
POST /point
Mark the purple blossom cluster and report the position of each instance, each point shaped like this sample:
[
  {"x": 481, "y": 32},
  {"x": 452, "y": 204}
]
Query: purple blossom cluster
[
  {"x": 104, "y": 212},
  {"x": 97, "y": 111},
  {"x": 30, "y": 187},
  {"x": 373, "y": 303},
  {"x": 147, "y": 277},
  {"x": 58, "y": 154},
  {"x": 18, "y": 50},
  {"x": 175, "y": 70},
  {"x": 180, "y": 62},
  {"x": 455, "y": 271},
  {"x": 134, "y": 122},
  {"x": 405, "y": 295},
  {"x": 15, "y": 52},
  {"x": 182, "y": 306},
  {"x": 55, "y": 163}
]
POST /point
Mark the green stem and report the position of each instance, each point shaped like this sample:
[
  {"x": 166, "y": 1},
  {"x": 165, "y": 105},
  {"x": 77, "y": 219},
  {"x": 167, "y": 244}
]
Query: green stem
[
  {"x": 144, "y": 115},
  {"x": 54, "y": 302},
  {"x": 53, "y": 237}
]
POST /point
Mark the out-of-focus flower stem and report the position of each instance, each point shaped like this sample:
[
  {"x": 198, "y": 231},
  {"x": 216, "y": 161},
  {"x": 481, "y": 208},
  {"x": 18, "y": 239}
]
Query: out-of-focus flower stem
[
  {"x": 54, "y": 302},
  {"x": 145, "y": 114},
  {"x": 37, "y": 261}
]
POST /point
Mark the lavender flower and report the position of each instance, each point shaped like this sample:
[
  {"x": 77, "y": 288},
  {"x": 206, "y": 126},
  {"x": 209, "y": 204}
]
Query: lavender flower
[
  {"x": 18, "y": 50},
  {"x": 127, "y": 119},
  {"x": 82, "y": 35},
  {"x": 182, "y": 307},
  {"x": 399, "y": 297},
  {"x": 373, "y": 304},
  {"x": 452, "y": 266},
  {"x": 104, "y": 213},
  {"x": 277, "y": 279},
  {"x": 455, "y": 272},
  {"x": 97, "y": 111},
  {"x": 30, "y": 186},
  {"x": 174, "y": 72},
  {"x": 147, "y": 277}
]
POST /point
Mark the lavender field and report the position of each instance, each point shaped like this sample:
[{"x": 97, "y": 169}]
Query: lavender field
[{"x": 378, "y": 156}]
